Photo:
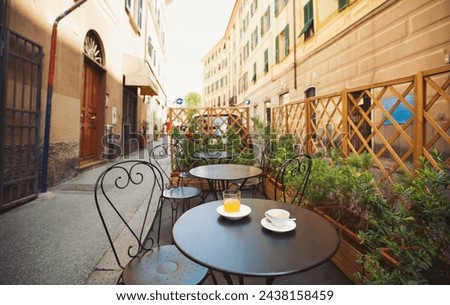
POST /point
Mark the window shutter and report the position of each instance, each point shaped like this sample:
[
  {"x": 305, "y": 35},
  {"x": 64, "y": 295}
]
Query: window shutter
[
  {"x": 266, "y": 60},
  {"x": 308, "y": 17},
  {"x": 277, "y": 48},
  {"x": 308, "y": 11},
  {"x": 342, "y": 4},
  {"x": 276, "y": 8},
  {"x": 286, "y": 40},
  {"x": 262, "y": 25}
]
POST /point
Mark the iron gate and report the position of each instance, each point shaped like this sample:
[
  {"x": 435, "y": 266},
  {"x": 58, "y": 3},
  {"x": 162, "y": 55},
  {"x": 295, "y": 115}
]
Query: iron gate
[{"x": 20, "y": 103}]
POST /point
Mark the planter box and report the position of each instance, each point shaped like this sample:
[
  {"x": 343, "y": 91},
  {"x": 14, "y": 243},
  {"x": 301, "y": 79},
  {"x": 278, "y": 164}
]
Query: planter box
[
  {"x": 349, "y": 250},
  {"x": 269, "y": 185}
]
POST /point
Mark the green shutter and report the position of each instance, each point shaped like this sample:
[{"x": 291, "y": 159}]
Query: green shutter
[
  {"x": 286, "y": 40},
  {"x": 276, "y": 8},
  {"x": 308, "y": 11},
  {"x": 342, "y": 4},
  {"x": 266, "y": 60},
  {"x": 262, "y": 25},
  {"x": 277, "y": 49},
  {"x": 308, "y": 14}
]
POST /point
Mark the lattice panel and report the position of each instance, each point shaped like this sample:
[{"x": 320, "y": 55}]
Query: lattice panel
[
  {"x": 296, "y": 120},
  {"x": 436, "y": 113},
  {"x": 326, "y": 122},
  {"x": 278, "y": 120},
  {"x": 211, "y": 121},
  {"x": 380, "y": 122}
]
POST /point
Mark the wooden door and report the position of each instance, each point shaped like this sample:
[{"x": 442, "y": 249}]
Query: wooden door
[{"x": 89, "y": 117}]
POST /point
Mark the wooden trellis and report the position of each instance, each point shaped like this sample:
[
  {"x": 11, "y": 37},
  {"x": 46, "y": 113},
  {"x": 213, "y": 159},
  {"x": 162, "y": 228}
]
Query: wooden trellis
[{"x": 396, "y": 121}]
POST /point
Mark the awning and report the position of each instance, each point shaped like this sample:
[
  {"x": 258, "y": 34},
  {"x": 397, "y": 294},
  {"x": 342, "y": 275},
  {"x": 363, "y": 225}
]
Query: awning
[{"x": 138, "y": 74}]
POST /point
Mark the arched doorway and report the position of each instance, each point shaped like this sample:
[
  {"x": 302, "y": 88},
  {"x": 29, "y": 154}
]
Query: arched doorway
[{"x": 92, "y": 101}]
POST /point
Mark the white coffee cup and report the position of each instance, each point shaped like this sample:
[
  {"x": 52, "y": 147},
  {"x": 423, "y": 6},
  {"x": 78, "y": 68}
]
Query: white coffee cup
[{"x": 278, "y": 217}]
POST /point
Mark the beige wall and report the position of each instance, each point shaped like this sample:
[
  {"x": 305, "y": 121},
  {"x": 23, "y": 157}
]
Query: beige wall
[
  {"x": 109, "y": 19},
  {"x": 369, "y": 41}
]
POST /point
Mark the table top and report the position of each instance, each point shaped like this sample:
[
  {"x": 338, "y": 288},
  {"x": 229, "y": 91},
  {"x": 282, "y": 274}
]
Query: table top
[
  {"x": 225, "y": 172},
  {"x": 244, "y": 247}
]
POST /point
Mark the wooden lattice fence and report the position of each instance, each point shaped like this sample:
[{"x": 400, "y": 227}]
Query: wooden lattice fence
[{"x": 396, "y": 121}]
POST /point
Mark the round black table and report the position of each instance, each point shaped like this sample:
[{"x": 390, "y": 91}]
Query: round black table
[
  {"x": 215, "y": 156},
  {"x": 224, "y": 173},
  {"x": 245, "y": 248}
]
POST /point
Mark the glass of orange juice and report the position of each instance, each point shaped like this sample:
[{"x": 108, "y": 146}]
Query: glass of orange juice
[{"x": 232, "y": 200}]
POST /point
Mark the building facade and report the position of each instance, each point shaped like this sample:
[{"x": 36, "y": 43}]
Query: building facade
[
  {"x": 285, "y": 50},
  {"x": 105, "y": 88}
]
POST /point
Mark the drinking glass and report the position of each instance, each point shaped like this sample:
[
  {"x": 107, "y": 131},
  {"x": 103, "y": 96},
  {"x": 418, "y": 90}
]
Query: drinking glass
[{"x": 232, "y": 200}]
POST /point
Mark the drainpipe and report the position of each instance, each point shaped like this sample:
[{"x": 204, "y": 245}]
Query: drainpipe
[
  {"x": 48, "y": 111},
  {"x": 295, "y": 46}
]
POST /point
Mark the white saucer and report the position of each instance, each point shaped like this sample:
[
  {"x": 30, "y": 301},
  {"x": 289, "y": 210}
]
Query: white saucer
[
  {"x": 244, "y": 211},
  {"x": 269, "y": 226}
]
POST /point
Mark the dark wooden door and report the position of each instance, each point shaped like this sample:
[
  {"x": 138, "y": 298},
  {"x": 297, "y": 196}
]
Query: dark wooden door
[{"x": 89, "y": 117}]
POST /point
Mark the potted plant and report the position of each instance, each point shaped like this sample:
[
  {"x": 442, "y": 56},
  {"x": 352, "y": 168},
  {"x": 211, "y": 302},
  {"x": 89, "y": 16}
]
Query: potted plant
[
  {"x": 408, "y": 243},
  {"x": 143, "y": 136},
  {"x": 277, "y": 152},
  {"x": 343, "y": 191},
  {"x": 156, "y": 133}
]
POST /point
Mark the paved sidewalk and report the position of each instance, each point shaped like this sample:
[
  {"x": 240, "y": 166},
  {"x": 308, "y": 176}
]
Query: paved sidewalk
[{"x": 58, "y": 239}]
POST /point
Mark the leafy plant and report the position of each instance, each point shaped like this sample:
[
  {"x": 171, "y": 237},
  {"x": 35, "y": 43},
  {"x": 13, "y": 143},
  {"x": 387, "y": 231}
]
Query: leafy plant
[
  {"x": 344, "y": 186},
  {"x": 279, "y": 151},
  {"x": 415, "y": 232}
]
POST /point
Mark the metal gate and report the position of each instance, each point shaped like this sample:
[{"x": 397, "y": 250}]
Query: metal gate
[{"x": 20, "y": 103}]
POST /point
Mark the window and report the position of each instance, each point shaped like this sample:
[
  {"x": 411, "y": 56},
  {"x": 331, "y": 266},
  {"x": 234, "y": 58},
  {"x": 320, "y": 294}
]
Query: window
[
  {"x": 149, "y": 47},
  {"x": 282, "y": 44},
  {"x": 265, "y": 22},
  {"x": 277, "y": 50},
  {"x": 243, "y": 82},
  {"x": 284, "y": 98},
  {"x": 128, "y": 4},
  {"x": 245, "y": 23},
  {"x": 286, "y": 40},
  {"x": 308, "y": 15},
  {"x": 266, "y": 61},
  {"x": 254, "y": 38},
  {"x": 139, "y": 14},
  {"x": 253, "y": 7},
  {"x": 134, "y": 8},
  {"x": 279, "y": 5},
  {"x": 254, "y": 73},
  {"x": 342, "y": 4},
  {"x": 246, "y": 51}
]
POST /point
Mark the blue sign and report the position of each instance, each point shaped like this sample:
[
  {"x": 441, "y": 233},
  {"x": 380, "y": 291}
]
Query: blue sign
[{"x": 401, "y": 113}]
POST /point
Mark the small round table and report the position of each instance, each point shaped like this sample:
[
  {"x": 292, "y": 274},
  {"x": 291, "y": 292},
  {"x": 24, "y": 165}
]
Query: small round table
[
  {"x": 244, "y": 247},
  {"x": 215, "y": 156},
  {"x": 224, "y": 173}
]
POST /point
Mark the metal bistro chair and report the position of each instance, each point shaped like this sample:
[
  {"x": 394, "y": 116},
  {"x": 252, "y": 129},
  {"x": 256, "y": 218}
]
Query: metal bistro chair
[
  {"x": 255, "y": 183},
  {"x": 126, "y": 196},
  {"x": 298, "y": 167},
  {"x": 162, "y": 156}
]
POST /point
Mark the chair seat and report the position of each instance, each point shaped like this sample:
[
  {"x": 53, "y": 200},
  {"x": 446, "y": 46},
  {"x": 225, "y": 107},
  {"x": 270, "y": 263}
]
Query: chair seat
[
  {"x": 182, "y": 192},
  {"x": 164, "y": 265}
]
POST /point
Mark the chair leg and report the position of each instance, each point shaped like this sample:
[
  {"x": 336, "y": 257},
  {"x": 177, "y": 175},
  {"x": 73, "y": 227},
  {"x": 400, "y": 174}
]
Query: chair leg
[{"x": 158, "y": 211}]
